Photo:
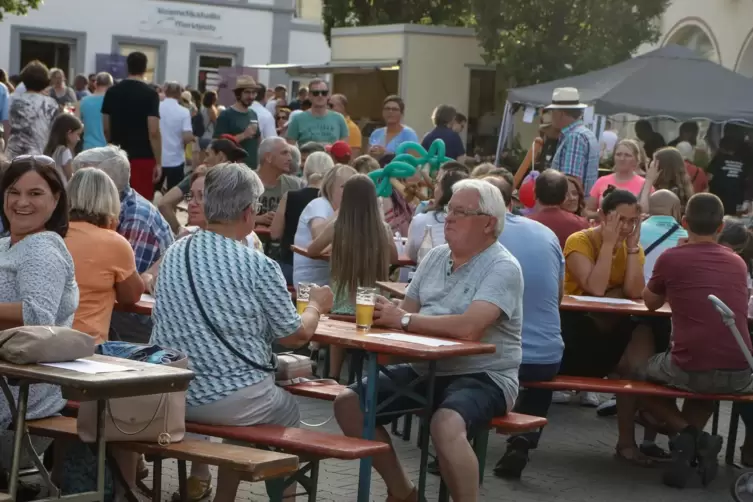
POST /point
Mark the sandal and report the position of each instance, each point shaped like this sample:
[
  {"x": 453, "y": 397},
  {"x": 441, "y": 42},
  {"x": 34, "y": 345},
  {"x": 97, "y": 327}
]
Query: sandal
[
  {"x": 635, "y": 457},
  {"x": 655, "y": 452}
]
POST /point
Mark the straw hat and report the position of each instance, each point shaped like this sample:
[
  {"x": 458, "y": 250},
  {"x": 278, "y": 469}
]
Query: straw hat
[
  {"x": 564, "y": 98},
  {"x": 244, "y": 82}
]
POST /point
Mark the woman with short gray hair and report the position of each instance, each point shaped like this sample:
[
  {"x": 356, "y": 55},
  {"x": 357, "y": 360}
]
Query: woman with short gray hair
[
  {"x": 224, "y": 305},
  {"x": 103, "y": 260}
]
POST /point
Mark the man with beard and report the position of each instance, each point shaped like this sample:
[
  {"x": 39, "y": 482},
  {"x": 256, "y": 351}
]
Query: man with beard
[{"x": 241, "y": 121}]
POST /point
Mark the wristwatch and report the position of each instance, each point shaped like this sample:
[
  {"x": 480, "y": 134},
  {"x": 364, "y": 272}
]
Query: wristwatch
[{"x": 405, "y": 321}]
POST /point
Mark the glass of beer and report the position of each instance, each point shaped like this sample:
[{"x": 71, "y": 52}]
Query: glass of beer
[
  {"x": 302, "y": 297},
  {"x": 365, "y": 300}
]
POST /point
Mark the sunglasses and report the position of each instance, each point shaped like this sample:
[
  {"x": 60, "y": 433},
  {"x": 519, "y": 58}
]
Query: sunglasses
[
  {"x": 319, "y": 93},
  {"x": 281, "y": 117},
  {"x": 43, "y": 160}
]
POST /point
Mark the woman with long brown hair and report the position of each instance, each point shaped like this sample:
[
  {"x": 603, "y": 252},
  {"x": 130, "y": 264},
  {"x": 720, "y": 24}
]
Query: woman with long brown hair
[
  {"x": 362, "y": 250},
  {"x": 667, "y": 171},
  {"x": 575, "y": 201}
]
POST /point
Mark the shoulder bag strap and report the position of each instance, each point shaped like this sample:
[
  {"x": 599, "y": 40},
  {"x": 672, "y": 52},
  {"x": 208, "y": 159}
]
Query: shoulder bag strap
[
  {"x": 268, "y": 369},
  {"x": 661, "y": 239}
]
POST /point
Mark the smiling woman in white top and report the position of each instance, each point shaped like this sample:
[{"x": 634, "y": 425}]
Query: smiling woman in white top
[
  {"x": 434, "y": 217},
  {"x": 314, "y": 218}
]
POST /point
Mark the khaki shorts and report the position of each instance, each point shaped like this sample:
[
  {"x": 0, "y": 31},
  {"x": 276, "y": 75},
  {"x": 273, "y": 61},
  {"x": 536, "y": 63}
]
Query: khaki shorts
[{"x": 660, "y": 369}]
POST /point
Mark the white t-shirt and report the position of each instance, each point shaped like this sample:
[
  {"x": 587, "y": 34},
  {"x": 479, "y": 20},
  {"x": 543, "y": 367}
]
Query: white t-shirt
[
  {"x": 266, "y": 120},
  {"x": 272, "y": 106},
  {"x": 306, "y": 269},
  {"x": 174, "y": 120},
  {"x": 607, "y": 143},
  {"x": 418, "y": 229}
]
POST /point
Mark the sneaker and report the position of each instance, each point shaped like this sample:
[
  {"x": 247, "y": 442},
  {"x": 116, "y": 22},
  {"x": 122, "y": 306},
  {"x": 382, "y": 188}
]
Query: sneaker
[
  {"x": 515, "y": 459},
  {"x": 589, "y": 399},
  {"x": 561, "y": 397},
  {"x": 608, "y": 408},
  {"x": 197, "y": 488},
  {"x": 432, "y": 467},
  {"x": 683, "y": 448},
  {"x": 708, "y": 448}
]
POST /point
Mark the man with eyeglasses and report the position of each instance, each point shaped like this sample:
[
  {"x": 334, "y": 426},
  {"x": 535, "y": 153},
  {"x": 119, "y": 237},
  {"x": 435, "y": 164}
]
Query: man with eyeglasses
[
  {"x": 319, "y": 124},
  {"x": 470, "y": 289}
]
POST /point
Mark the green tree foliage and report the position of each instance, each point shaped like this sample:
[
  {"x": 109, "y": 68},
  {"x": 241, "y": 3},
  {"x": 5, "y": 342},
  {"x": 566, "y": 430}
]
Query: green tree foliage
[
  {"x": 20, "y": 7},
  {"x": 534, "y": 41},
  {"x": 340, "y": 13}
]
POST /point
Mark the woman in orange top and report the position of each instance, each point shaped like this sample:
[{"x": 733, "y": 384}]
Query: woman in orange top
[{"x": 103, "y": 259}]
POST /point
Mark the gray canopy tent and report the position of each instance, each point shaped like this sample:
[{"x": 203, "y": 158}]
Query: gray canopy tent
[{"x": 672, "y": 82}]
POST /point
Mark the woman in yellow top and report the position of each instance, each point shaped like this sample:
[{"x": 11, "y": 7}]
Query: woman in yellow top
[
  {"x": 103, "y": 259},
  {"x": 608, "y": 261}
]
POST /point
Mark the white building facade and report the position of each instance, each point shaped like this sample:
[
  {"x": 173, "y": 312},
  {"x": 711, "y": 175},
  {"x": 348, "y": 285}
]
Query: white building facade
[
  {"x": 721, "y": 30},
  {"x": 184, "y": 40}
]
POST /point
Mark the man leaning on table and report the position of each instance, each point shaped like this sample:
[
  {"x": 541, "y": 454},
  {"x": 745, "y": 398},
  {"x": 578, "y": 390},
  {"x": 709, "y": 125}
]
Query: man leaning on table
[
  {"x": 704, "y": 356},
  {"x": 469, "y": 289}
]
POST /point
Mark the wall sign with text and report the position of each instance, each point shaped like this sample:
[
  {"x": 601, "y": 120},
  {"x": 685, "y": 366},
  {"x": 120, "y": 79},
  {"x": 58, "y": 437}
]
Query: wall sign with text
[{"x": 184, "y": 21}]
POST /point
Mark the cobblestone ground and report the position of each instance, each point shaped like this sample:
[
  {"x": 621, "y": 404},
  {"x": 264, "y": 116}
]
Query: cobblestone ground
[{"x": 574, "y": 463}]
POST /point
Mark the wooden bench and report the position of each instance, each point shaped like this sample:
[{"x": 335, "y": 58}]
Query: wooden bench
[
  {"x": 511, "y": 423},
  {"x": 586, "y": 384},
  {"x": 310, "y": 446},
  {"x": 252, "y": 464}
]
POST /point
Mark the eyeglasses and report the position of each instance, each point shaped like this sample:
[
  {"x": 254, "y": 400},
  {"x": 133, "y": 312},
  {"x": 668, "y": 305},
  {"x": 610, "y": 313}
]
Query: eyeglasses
[
  {"x": 190, "y": 196},
  {"x": 324, "y": 92},
  {"x": 391, "y": 109},
  {"x": 463, "y": 213},
  {"x": 256, "y": 206},
  {"x": 39, "y": 159},
  {"x": 281, "y": 117}
]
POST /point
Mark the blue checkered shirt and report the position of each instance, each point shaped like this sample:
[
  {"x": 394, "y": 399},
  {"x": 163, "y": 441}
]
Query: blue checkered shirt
[
  {"x": 578, "y": 154},
  {"x": 144, "y": 227}
]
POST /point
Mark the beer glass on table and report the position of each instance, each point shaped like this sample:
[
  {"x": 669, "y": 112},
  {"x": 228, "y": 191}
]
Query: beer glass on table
[{"x": 365, "y": 301}]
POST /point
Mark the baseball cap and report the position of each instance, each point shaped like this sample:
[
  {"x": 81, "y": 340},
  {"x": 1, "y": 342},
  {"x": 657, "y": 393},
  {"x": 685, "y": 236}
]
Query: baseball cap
[{"x": 340, "y": 151}]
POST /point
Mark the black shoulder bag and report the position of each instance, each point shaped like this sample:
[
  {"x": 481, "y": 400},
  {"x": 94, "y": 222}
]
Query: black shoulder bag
[
  {"x": 272, "y": 368},
  {"x": 661, "y": 239}
]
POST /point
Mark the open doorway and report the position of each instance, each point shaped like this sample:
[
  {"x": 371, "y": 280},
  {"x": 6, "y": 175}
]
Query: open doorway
[{"x": 53, "y": 54}]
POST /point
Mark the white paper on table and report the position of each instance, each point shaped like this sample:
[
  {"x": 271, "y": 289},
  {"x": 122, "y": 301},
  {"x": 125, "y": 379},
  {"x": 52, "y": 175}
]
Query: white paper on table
[
  {"x": 147, "y": 298},
  {"x": 420, "y": 340},
  {"x": 528, "y": 114},
  {"x": 599, "y": 299},
  {"x": 88, "y": 366}
]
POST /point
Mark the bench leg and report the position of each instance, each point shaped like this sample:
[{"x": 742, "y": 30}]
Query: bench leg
[
  {"x": 715, "y": 419},
  {"x": 157, "y": 480},
  {"x": 183, "y": 480},
  {"x": 314, "y": 481},
  {"x": 734, "y": 418},
  {"x": 407, "y": 424},
  {"x": 480, "y": 446}
]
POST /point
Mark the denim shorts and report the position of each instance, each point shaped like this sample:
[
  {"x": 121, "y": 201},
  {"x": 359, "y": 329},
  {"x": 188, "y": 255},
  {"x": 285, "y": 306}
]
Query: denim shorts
[
  {"x": 662, "y": 370},
  {"x": 475, "y": 397}
]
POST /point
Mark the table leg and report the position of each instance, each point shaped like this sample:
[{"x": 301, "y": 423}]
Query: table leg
[
  {"x": 20, "y": 430},
  {"x": 424, "y": 430},
  {"x": 369, "y": 424},
  {"x": 101, "y": 448}
]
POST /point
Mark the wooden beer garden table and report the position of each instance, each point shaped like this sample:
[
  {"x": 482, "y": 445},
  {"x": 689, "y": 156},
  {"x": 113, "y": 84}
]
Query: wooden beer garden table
[
  {"x": 402, "y": 260},
  {"x": 570, "y": 303},
  {"x": 141, "y": 379},
  {"x": 345, "y": 334}
]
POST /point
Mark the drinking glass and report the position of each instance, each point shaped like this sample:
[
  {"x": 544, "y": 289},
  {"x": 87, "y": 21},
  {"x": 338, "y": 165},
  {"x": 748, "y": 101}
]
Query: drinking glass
[
  {"x": 302, "y": 298},
  {"x": 365, "y": 301}
]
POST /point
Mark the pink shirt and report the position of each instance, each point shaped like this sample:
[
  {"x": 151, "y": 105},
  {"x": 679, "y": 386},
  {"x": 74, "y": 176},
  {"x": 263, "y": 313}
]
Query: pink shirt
[{"x": 633, "y": 186}]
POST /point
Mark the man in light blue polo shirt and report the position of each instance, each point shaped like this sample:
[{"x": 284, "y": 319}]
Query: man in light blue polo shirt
[
  {"x": 538, "y": 251},
  {"x": 662, "y": 229}
]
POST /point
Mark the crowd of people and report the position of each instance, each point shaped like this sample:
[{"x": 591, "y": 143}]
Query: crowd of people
[{"x": 83, "y": 233}]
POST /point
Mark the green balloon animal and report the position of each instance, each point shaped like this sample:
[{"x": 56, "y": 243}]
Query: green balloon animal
[{"x": 405, "y": 165}]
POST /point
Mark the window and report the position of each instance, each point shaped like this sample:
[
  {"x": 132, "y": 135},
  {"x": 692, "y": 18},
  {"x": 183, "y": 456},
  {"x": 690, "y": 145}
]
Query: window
[
  {"x": 209, "y": 64},
  {"x": 152, "y": 57}
]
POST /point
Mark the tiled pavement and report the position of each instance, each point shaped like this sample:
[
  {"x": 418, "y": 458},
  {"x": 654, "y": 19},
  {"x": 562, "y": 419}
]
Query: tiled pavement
[{"x": 574, "y": 463}]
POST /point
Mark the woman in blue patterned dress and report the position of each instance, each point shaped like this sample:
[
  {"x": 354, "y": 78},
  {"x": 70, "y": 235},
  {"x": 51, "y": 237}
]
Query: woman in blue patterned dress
[{"x": 37, "y": 283}]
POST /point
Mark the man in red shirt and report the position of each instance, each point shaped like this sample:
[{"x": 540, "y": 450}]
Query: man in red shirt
[
  {"x": 551, "y": 190},
  {"x": 704, "y": 356}
]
